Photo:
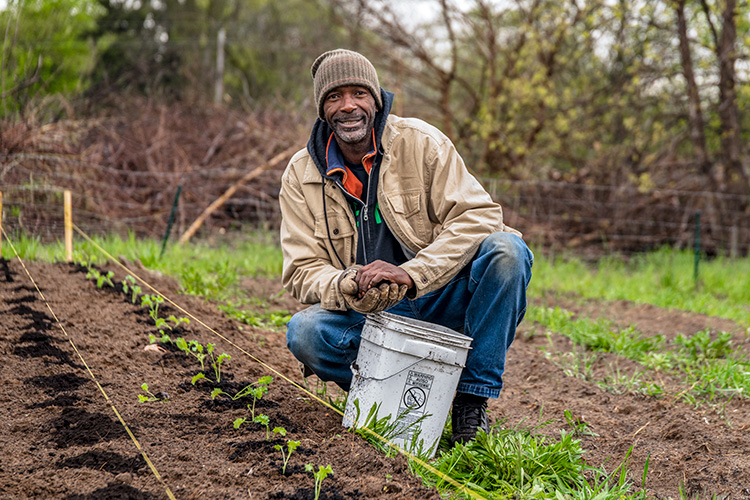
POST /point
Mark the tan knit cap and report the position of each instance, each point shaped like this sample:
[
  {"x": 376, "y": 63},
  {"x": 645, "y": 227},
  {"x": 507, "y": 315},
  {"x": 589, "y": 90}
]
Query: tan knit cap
[{"x": 340, "y": 67}]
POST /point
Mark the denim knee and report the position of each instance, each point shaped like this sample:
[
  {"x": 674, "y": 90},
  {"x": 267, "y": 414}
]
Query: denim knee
[
  {"x": 507, "y": 250},
  {"x": 510, "y": 246},
  {"x": 299, "y": 334}
]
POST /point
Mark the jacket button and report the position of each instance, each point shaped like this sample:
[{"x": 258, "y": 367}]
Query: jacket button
[
  {"x": 336, "y": 231},
  {"x": 424, "y": 279}
]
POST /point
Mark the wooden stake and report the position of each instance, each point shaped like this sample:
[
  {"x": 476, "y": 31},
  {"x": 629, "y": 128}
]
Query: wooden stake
[
  {"x": 1, "y": 225},
  {"x": 229, "y": 192},
  {"x": 67, "y": 202}
]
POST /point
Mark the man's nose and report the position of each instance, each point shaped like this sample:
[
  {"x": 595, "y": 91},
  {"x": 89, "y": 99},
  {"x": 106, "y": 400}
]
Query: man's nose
[{"x": 348, "y": 103}]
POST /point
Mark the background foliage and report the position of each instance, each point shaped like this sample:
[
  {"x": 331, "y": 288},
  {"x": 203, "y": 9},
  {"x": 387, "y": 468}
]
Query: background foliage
[{"x": 643, "y": 95}]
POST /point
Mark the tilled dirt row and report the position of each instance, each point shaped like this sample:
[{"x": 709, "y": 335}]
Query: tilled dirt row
[{"x": 61, "y": 438}]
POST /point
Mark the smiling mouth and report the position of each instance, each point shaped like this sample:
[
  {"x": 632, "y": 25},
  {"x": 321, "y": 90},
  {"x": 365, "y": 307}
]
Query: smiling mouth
[{"x": 351, "y": 122}]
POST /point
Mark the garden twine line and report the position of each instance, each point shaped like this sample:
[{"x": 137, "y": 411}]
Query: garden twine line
[
  {"x": 410, "y": 456},
  {"x": 91, "y": 373}
]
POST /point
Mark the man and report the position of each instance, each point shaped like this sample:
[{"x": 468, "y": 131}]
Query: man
[{"x": 380, "y": 212}]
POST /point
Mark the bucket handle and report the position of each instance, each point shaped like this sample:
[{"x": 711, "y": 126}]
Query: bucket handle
[{"x": 355, "y": 369}]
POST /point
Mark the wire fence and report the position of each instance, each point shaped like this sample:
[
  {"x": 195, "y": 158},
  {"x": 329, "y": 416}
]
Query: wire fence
[
  {"x": 589, "y": 220},
  {"x": 597, "y": 220}
]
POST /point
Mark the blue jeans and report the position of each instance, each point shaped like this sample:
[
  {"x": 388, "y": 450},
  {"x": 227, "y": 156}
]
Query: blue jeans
[{"x": 486, "y": 300}]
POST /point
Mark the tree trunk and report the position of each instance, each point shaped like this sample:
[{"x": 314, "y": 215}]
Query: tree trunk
[
  {"x": 736, "y": 178},
  {"x": 695, "y": 112}
]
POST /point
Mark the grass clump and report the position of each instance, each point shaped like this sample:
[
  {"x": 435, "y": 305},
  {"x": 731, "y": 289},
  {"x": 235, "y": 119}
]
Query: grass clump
[
  {"x": 202, "y": 268},
  {"x": 707, "y": 362},
  {"x": 664, "y": 278},
  {"x": 599, "y": 335},
  {"x": 521, "y": 463}
]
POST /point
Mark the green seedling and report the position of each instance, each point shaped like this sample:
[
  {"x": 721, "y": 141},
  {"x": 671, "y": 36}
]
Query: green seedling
[
  {"x": 239, "y": 422},
  {"x": 263, "y": 420},
  {"x": 255, "y": 389},
  {"x": 101, "y": 279},
  {"x": 177, "y": 321},
  {"x": 149, "y": 395},
  {"x": 164, "y": 339},
  {"x": 152, "y": 302},
  {"x": 161, "y": 324},
  {"x": 196, "y": 350},
  {"x": 319, "y": 476},
  {"x": 259, "y": 391},
  {"x": 217, "y": 361},
  {"x": 290, "y": 446},
  {"x": 129, "y": 287},
  {"x": 193, "y": 348}
]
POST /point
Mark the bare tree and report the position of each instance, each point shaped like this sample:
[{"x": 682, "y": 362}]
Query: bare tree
[
  {"x": 737, "y": 179},
  {"x": 695, "y": 111}
]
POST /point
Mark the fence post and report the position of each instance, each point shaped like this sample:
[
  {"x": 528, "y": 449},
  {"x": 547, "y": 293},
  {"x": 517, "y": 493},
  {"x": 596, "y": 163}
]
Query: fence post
[
  {"x": 1, "y": 225},
  {"x": 734, "y": 237},
  {"x": 697, "y": 239},
  {"x": 170, "y": 221},
  {"x": 67, "y": 202}
]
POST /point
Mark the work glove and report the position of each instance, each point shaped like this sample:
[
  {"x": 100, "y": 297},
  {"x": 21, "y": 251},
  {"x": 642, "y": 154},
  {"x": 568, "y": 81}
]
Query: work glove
[
  {"x": 375, "y": 299},
  {"x": 390, "y": 295}
]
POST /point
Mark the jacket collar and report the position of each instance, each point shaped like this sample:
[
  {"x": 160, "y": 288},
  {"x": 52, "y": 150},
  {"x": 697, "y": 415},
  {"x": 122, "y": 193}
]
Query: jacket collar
[
  {"x": 312, "y": 173},
  {"x": 317, "y": 145}
]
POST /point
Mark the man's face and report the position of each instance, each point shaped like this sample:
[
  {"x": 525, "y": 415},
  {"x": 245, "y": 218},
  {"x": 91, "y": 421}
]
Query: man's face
[{"x": 350, "y": 112}]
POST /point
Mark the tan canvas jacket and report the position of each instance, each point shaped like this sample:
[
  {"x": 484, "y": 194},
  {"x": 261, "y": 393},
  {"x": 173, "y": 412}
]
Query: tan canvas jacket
[{"x": 432, "y": 204}]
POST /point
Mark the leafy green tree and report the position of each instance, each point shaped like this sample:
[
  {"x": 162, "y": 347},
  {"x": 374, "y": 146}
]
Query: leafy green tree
[
  {"x": 44, "y": 52},
  {"x": 141, "y": 55}
]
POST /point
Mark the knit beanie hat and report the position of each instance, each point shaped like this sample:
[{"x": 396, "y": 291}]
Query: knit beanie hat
[{"x": 340, "y": 67}]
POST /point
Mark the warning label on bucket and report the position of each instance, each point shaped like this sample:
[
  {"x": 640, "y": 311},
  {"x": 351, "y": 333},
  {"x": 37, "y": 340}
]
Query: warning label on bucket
[{"x": 413, "y": 401}]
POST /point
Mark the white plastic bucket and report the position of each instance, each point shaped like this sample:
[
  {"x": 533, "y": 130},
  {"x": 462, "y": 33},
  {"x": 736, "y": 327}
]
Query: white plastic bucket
[{"x": 406, "y": 366}]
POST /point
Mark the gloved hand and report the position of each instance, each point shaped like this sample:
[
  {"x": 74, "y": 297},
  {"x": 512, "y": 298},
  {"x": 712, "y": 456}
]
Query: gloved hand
[
  {"x": 376, "y": 299},
  {"x": 390, "y": 295}
]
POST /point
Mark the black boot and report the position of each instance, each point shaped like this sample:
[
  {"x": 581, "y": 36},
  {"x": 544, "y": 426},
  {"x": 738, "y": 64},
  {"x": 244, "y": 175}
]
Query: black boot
[{"x": 469, "y": 416}]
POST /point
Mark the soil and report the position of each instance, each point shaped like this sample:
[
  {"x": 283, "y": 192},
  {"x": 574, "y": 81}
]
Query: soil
[{"x": 64, "y": 387}]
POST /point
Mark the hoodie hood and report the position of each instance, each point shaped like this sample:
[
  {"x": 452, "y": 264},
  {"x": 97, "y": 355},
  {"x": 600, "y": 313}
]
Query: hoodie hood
[{"x": 321, "y": 132}]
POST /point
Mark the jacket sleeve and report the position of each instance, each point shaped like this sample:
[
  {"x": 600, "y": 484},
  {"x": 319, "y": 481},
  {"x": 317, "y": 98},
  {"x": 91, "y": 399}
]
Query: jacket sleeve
[
  {"x": 308, "y": 273},
  {"x": 465, "y": 215}
]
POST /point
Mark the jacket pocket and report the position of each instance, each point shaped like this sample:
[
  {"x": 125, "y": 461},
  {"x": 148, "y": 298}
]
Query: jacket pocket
[
  {"x": 338, "y": 227},
  {"x": 406, "y": 203},
  {"x": 338, "y": 238},
  {"x": 411, "y": 216}
]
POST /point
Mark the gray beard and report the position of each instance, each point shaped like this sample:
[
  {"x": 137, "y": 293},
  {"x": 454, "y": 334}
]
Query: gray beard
[{"x": 352, "y": 137}]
